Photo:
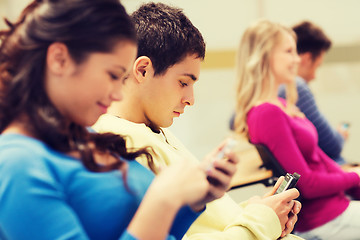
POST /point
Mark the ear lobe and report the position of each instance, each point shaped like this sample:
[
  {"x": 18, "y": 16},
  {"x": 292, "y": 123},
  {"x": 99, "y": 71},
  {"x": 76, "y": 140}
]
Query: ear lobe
[
  {"x": 57, "y": 58},
  {"x": 142, "y": 68}
]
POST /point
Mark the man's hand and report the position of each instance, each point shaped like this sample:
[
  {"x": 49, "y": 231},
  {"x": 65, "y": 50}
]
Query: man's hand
[
  {"x": 284, "y": 205},
  {"x": 219, "y": 173}
]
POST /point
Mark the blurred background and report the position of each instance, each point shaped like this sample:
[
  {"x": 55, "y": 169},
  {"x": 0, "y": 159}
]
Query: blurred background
[{"x": 336, "y": 87}]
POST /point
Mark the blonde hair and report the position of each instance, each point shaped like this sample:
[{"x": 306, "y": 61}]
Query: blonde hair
[{"x": 255, "y": 79}]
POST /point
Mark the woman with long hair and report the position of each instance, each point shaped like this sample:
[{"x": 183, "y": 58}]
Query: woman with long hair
[{"x": 267, "y": 58}]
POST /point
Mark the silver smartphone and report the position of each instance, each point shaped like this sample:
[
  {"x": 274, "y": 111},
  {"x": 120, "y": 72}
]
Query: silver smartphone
[{"x": 289, "y": 181}]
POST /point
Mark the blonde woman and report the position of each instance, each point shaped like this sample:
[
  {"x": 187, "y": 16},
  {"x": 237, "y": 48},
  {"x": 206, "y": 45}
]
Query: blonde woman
[{"x": 267, "y": 57}]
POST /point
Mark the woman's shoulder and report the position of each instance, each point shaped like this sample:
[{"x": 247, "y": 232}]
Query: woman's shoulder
[
  {"x": 17, "y": 147},
  {"x": 26, "y": 156},
  {"x": 266, "y": 109},
  {"x": 24, "y": 162}
]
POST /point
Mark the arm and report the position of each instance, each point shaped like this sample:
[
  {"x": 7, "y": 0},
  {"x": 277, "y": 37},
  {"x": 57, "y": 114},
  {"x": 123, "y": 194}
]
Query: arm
[
  {"x": 225, "y": 219},
  {"x": 164, "y": 198},
  {"x": 154, "y": 206},
  {"x": 34, "y": 205},
  {"x": 284, "y": 205},
  {"x": 271, "y": 127},
  {"x": 330, "y": 140}
]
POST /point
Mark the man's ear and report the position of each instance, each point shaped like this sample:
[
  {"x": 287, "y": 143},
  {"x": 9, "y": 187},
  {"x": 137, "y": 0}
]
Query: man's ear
[
  {"x": 142, "y": 68},
  {"x": 58, "y": 58},
  {"x": 306, "y": 58}
]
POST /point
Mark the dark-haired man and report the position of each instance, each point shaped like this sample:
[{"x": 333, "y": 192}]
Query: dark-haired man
[
  {"x": 159, "y": 88},
  {"x": 312, "y": 44}
]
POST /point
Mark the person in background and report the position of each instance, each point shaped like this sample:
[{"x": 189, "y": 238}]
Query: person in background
[
  {"x": 61, "y": 65},
  {"x": 158, "y": 90},
  {"x": 312, "y": 45},
  {"x": 267, "y": 57}
]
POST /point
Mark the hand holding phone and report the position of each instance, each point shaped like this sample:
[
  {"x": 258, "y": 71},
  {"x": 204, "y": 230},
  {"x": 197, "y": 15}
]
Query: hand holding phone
[
  {"x": 289, "y": 181},
  {"x": 343, "y": 129},
  {"x": 230, "y": 144}
]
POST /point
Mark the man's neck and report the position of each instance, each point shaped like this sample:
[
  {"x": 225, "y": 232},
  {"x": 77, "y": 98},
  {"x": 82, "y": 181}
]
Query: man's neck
[
  {"x": 125, "y": 110},
  {"x": 129, "y": 107}
]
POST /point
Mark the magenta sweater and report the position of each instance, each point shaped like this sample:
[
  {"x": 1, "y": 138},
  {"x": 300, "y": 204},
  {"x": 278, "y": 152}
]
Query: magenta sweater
[{"x": 294, "y": 143}]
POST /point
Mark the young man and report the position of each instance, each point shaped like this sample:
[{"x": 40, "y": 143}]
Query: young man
[
  {"x": 312, "y": 44},
  {"x": 158, "y": 89}
]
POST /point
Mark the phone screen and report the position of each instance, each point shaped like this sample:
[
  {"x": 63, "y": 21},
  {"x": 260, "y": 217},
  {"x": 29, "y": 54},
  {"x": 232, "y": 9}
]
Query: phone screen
[
  {"x": 285, "y": 184},
  {"x": 288, "y": 182}
]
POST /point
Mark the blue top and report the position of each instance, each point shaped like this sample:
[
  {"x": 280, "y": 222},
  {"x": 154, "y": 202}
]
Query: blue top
[
  {"x": 330, "y": 140},
  {"x": 45, "y": 194}
]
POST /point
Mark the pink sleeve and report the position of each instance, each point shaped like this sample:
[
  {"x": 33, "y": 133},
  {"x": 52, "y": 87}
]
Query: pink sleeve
[{"x": 269, "y": 126}]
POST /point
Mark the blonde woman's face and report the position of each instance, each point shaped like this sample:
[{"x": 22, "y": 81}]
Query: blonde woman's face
[{"x": 284, "y": 60}]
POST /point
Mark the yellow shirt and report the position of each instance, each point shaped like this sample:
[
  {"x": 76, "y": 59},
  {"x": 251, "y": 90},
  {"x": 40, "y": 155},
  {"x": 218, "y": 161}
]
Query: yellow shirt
[{"x": 223, "y": 218}]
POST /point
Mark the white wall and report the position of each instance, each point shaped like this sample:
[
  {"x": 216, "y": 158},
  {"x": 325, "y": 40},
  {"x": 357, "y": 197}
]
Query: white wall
[{"x": 222, "y": 22}]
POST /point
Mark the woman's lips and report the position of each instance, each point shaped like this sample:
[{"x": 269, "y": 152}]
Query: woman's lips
[{"x": 103, "y": 108}]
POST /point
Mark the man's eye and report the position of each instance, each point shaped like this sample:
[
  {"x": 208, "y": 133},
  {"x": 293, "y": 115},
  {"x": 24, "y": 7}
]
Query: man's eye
[{"x": 113, "y": 76}]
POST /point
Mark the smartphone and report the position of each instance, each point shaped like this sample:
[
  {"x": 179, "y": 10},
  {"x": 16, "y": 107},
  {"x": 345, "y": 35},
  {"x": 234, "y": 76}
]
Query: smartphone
[
  {"x": 289, "y": 181},
  {"x": 229, "y": 145},
  {"x": 345, "y": 125}
]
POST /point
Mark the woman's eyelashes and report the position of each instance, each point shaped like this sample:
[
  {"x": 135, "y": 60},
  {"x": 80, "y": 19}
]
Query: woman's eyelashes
[{"x": 183, "y": 84}]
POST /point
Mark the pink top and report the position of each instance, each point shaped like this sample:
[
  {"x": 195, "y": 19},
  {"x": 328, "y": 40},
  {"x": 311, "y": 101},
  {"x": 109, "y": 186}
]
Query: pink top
[{"x": 294, "y": 143}]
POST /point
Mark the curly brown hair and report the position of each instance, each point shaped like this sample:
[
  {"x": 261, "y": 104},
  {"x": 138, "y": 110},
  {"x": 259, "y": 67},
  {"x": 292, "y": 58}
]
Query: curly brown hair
[{"x": 84, "y": 26}]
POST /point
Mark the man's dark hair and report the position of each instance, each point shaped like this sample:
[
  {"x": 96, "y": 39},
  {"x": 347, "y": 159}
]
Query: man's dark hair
[
  {"x": 311, "y": 38},
  {"x": 166, "y": 35}
]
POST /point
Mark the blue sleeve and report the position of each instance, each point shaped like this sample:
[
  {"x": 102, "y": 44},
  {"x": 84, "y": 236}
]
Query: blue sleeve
[
  {"x": 330, "y": 141},
  {"x": 127, "y": 236},
  {"x": 183, "y": 220},
  {"x": 185, "y": 216}
]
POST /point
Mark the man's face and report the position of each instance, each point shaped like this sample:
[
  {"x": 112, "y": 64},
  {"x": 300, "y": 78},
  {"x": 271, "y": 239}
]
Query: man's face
[
  {"x": 308, "y": 65},
  {"x": 166, "y": 96}
]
